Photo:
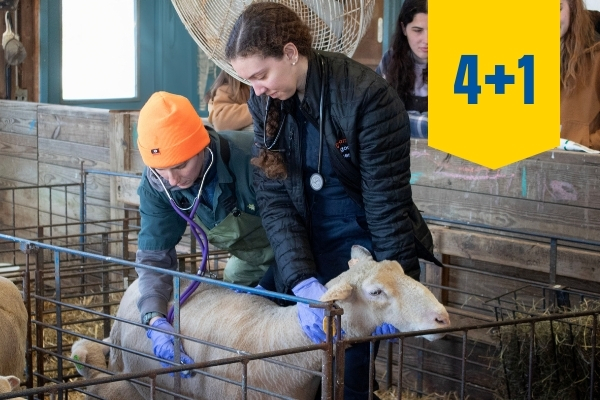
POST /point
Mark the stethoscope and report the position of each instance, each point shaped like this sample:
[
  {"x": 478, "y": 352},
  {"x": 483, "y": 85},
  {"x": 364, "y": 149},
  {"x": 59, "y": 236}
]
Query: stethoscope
[
  {"x": 196, "y": 230},
  {"x": 316, "y": 179}
]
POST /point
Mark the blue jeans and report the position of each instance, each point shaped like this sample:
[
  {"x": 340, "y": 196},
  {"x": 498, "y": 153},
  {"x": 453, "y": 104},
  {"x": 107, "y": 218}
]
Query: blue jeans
[
  {"x": 336, "y": 227},
  {"x": 333, "y": 236}
]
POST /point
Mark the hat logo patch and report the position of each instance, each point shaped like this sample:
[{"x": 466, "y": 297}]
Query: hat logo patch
[{"x": 155, "y": 152}]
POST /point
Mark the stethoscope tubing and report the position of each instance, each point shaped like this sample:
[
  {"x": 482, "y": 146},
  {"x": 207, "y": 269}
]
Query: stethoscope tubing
[
  {"x": 196, "y": 230},
  {"x": 201, "y": 238},
  {"x": 321, "y": 122}
]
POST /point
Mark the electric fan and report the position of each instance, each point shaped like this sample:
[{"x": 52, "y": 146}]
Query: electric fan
[{"x": 336, "y": 25}]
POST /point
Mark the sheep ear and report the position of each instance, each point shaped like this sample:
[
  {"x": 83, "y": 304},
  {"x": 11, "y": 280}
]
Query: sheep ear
[
  {"x": 339, "y": 291},
  {"x": 359, "y": 253},
  {"x": 352, "y": 262},
  {"x": 13, "y": 381}
]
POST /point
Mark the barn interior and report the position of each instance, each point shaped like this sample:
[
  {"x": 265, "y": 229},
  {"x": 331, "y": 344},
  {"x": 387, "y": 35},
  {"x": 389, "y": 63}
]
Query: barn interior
[{"x": 519, "y": 244}]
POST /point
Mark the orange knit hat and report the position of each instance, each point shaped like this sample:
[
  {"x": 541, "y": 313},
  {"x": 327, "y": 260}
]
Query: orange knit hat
[{"x": 169, "y": 131}]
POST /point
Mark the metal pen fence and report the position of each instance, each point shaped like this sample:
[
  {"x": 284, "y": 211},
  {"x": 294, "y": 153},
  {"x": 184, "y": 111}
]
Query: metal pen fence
[
  {"x": 62, "y": 315},
  {"x": 73, "y": 270}
]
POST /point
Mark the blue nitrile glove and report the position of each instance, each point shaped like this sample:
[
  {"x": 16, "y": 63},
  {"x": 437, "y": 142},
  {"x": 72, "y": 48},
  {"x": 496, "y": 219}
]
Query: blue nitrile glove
[
  {"x": 385, "y": 329},
  {"x": 163, "y": 345},
  {"x": 311, "y": 319}
]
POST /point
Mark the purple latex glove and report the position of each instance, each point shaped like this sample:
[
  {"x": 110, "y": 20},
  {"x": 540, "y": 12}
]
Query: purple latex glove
[
  {"x": 311, "y": 319},
  {"x": 163, "y": 345},
  {"x": 385, "y": 329}
]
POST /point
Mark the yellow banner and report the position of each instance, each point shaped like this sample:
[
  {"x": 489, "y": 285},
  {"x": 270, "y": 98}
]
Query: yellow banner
[{"x": 494, "y": 79}]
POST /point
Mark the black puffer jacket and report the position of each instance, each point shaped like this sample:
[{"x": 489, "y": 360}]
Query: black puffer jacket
[{"x": 367, "y": 134}]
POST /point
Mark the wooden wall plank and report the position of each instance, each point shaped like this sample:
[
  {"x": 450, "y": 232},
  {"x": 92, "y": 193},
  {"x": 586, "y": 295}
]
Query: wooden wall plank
[
  {"x": 23, "y": 216},
  {"x": 508, "y": 212},
  {"x": 18, "y": 117},
  {"x": 127, "y": 190},
  {"x": 11, "y": 183},
  {"x": 97, "y": 185},
  {"x": 55, "y": 175},
  {"x": 136, "y": 165},
  {"x": 68, "y": 154},
  {"x": 18, "y": 145},
  {"x": 526, "y": 254},
  {"x": 420, "y": 146},
  {"x": 19, "y": 169},
  {"x": 120, "y": 138},
  {"x": 74, "y": 124},
  {"x": 69, "y": 206},
  {"x": 20, "y": 196},
  {"x": 548, "y": 182},
  {"x": 119, "y": 143}
]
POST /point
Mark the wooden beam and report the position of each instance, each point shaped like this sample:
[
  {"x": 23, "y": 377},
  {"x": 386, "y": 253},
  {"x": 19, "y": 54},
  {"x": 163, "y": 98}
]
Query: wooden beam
[
  {"x": 119, "y": 162},
  {"x": 127, "y": 190},
  {"x": 520, "y": 253}
]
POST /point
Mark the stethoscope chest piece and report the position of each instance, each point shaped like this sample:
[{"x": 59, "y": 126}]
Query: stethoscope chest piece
[{"x": 316, "y": 181}]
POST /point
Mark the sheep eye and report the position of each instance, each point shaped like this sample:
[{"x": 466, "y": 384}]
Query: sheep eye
[{"x": 375, "y": 292}]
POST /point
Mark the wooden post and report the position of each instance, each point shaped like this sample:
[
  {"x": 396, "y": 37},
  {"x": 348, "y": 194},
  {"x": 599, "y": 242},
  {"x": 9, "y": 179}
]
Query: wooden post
[{"x": 119, "y": 162}]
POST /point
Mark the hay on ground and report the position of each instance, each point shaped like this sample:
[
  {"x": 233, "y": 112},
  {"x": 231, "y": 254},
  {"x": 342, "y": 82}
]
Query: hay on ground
[{"x": 561, "y": 362}]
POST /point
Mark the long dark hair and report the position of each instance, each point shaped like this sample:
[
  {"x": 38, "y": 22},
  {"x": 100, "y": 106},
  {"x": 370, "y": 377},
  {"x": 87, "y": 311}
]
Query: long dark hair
[
  {"x": 264, "y": 29},
  {"x": 575, "y": 50},
  {"x": 400, "y": 72}
]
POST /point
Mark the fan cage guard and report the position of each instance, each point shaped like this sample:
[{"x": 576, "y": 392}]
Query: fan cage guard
[{"x": 336, "y": 26}]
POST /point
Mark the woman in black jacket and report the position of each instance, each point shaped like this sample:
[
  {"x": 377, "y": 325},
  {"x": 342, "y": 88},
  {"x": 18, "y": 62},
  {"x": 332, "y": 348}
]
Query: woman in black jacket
[{"x": 333, "y": 168}]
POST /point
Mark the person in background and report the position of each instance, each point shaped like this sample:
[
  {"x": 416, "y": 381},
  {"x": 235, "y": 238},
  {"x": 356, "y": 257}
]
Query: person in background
[
  {"x": 579, "y": 76},
  {"x": 332, "y": 158},
  {"x": 227, "y": 108},
  {"x": 200, "y": 170},
  {"x": 404, "y": 65}
]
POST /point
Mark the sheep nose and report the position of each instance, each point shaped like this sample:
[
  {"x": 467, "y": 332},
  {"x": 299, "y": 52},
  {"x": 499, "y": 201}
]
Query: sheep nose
[{"x": 443, "y": 319}]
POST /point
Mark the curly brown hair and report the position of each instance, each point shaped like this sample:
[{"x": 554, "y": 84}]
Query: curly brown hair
[
  {"x": 263, "y": 29},
  {"x": 575, "y": 50}
]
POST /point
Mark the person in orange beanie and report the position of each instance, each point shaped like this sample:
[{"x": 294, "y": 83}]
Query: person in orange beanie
[{"x": 199, "y": 177}]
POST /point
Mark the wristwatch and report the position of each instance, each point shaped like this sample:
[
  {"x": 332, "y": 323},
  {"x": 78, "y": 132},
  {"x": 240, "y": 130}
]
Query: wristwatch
[{"x": 149, "y": 315}]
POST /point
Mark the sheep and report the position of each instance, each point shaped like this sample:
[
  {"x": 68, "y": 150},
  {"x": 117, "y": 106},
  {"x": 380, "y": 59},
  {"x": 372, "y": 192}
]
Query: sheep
[
  {"x": 8, "y": 384},
  {"x": 13, "y": 329},
  {"x": 370, "y": 293},
  {"x": 95, "y": 354}
]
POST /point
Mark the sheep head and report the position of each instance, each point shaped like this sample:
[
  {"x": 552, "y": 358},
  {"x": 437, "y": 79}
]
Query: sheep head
[
  {"x": 373, "y": 292},
  {"x": 91, "y": 353},
  {"x": 9, "y": 383}
]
